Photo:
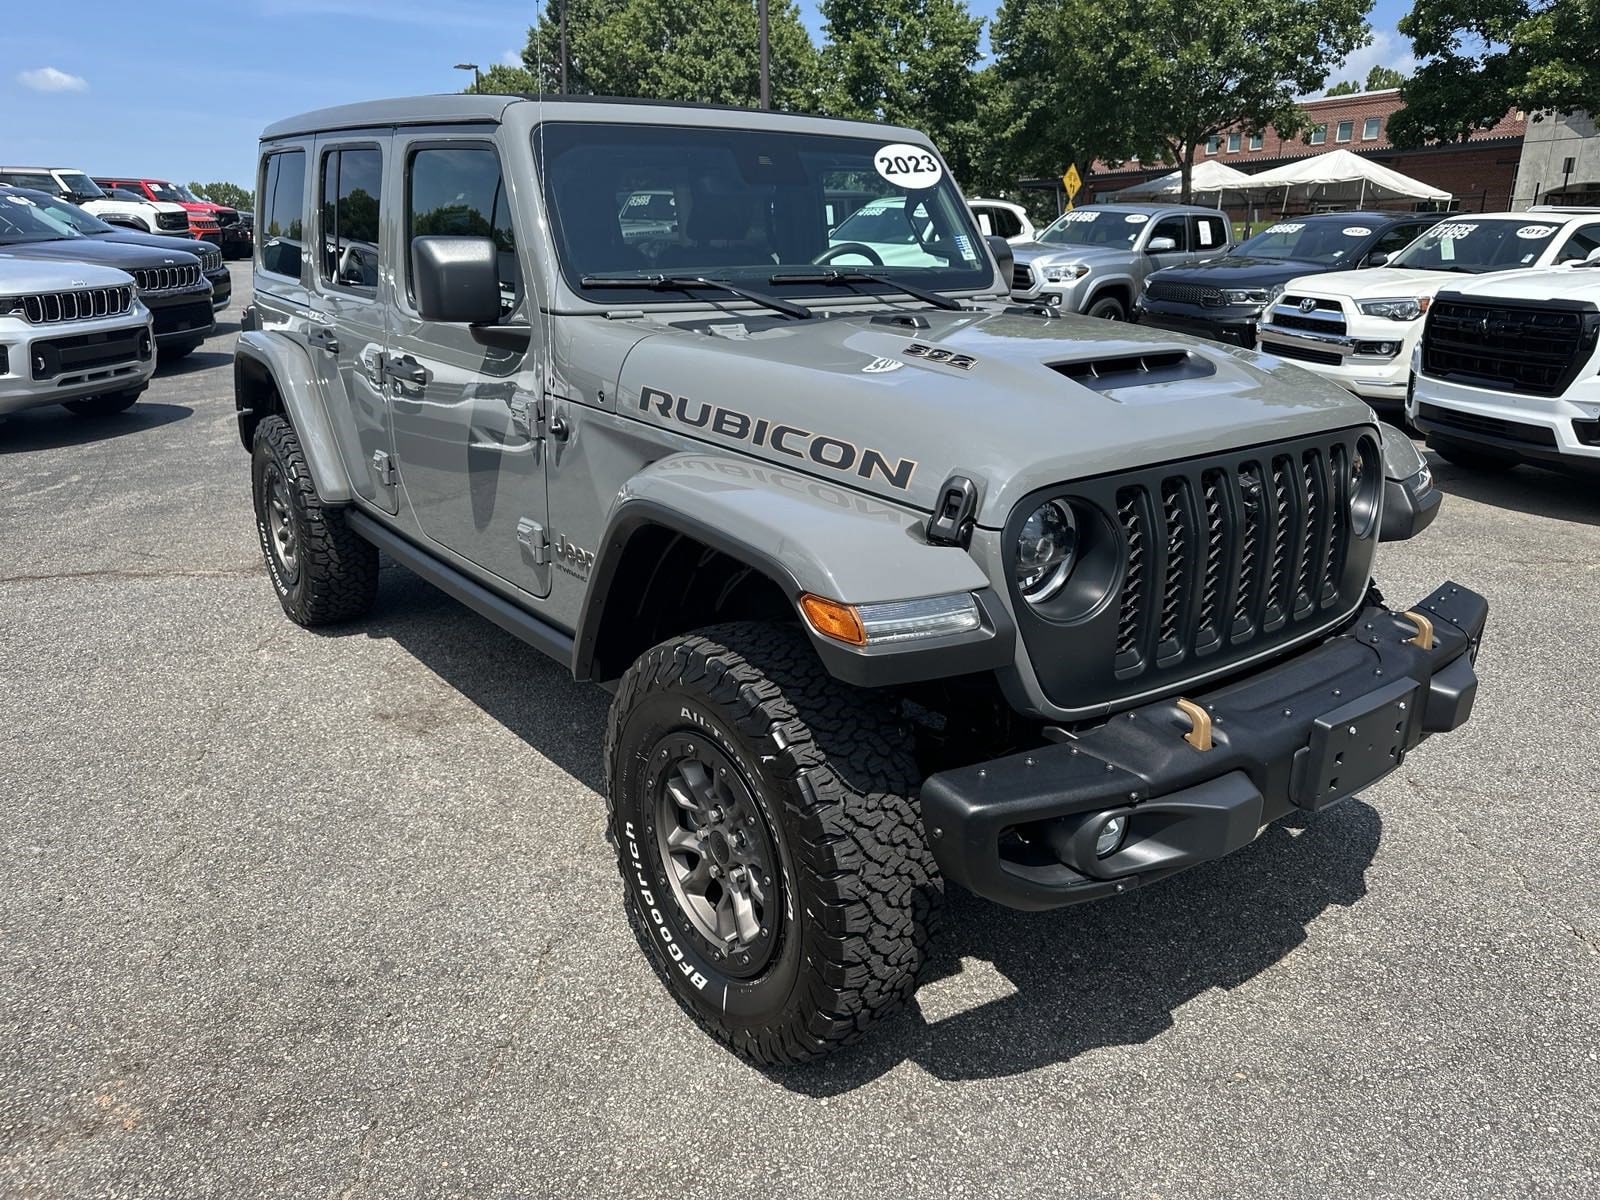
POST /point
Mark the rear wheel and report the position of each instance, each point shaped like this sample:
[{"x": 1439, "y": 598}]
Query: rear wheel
[
  {"x": 1108, "y": 308},
  {"x": 773, "y": 859},
  {"x": 105, "y": 406},
  {"x": 1476, "y": 458},
  {"x": 321, "y": 570}
]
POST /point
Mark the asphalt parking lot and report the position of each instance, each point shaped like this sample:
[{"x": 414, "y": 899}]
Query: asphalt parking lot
[{"x": 299, "y": 914}]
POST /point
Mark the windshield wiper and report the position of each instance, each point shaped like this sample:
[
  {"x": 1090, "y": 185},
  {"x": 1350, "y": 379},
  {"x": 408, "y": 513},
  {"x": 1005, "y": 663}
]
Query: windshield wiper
[
  {"x": 685, "y": 283},
  {"x": 841, "y": 277}
]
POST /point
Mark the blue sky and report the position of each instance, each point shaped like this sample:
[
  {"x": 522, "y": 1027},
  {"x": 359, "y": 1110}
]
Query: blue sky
[{"x": 96, "y": 86}]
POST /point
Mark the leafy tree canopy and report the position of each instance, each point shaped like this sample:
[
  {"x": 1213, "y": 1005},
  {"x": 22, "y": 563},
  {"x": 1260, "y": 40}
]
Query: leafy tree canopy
[
  {"x": 1379, "y": 78},
  {"x": 229, "y": 194},
  {"x": 1483, "y": 57}
]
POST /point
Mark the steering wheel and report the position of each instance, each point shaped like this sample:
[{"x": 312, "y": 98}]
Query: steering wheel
[{"x": 833, "y": 252}]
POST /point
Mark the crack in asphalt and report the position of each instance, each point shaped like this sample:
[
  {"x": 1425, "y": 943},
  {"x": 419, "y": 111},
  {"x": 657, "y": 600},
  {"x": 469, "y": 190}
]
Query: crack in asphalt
[{"x": 129, "y": 573}]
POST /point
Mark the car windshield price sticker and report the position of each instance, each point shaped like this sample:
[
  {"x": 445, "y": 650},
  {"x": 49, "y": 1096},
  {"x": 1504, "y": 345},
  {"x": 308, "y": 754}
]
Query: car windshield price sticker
[
  {"x": 1135, "y": 218},
  {"x": 1079, "y": 214},
  {"x": 1292, "y": 227},
  {"x": 906, "y": 166},
  {"x": 1534, "y": 232},
  {"x": 22, "y": 200},
  {"x": 1356, "y": 231},
  {"x": 1453, "y": 233}
]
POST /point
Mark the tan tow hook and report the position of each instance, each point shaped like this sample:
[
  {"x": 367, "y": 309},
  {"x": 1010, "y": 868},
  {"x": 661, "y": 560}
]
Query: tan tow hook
[
  {"x": 1424, "y": 638},
  {"x": 1199, "y": 735}
]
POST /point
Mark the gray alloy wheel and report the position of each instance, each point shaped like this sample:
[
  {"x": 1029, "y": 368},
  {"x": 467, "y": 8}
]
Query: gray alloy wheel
[{"x": 282, "y": 541}]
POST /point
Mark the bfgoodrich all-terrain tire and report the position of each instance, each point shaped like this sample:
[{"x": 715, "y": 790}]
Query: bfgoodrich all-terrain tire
[
  {"x": 322, "y": 571},
  {"x": 772, "y": 855}
]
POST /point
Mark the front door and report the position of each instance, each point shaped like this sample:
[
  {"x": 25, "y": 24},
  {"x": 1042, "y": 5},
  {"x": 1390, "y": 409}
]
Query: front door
[
  {"x": 349, "y": 299},
  {"x": 465, "y": 409}
]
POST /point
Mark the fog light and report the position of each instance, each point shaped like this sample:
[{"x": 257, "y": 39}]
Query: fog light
[{"x": 1110, "y": 835}]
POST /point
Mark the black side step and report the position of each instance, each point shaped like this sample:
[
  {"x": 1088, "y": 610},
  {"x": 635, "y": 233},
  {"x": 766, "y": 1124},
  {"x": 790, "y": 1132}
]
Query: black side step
[{"x": 514, "y": 619}]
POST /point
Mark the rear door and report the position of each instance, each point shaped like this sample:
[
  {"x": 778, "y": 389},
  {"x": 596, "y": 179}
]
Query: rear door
[
  {"x": 465, "y": 408},
  {"x": 349, "y": 300}
]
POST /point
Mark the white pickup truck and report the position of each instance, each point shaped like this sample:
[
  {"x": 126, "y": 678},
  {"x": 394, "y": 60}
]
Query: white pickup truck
[
  {"x": 1509, "y": 370},
  {"x": 129, "y": 211},
  {"x": 1359, "y": 328}
]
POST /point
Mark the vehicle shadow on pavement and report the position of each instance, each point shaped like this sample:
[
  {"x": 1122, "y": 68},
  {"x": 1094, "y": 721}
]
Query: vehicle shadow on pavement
[
  {"x": 1523, "y": 489},
  {"x": 55, "y": 428},
  {"x": 1112, "y": 973},
  {"x": 193, "y": 364}
]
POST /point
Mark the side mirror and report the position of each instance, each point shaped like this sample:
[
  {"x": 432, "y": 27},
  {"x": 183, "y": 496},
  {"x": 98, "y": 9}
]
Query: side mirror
[
  {"x": 1376, "y": 259},
  {"x": 1004, "y": 259},
  {"x": 456, "y": 279},
  {"x": 1593, "y": 256},
  {"x": 1161, "y": 245}
]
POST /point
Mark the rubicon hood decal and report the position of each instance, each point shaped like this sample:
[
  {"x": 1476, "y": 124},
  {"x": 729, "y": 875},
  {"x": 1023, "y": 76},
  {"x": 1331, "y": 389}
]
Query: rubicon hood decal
[{"x": 831, "y": 452}]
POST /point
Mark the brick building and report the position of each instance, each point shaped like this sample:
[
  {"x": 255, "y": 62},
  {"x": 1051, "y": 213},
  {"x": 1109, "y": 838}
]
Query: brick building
[{"x": 1481, "y": 173}]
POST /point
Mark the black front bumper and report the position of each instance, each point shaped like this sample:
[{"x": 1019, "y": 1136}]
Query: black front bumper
[
  {"x": 1303, "y": 734},
  {"x": 221, "y": 289},
  {"x": 185, "y": 317},
  {"x": 1238, "y": 327}
]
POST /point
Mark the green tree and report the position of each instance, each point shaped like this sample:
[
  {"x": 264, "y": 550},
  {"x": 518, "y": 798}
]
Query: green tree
[
  {"x": 909, "y": 62},
  {"x": 504, "y": 80},
  {"x": 674, "y": 50},
  {"x": 1155, "y": 78},
  {"x": 229, "y": 194},
  {"x": 1348, "y": 88},
  {"x": 1381, "y": 77},
  {"x": 1483, "y": 57}
]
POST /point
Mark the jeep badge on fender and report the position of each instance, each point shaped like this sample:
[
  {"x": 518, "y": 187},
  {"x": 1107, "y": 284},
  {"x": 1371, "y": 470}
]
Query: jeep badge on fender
[{"x": 896, "y": 585}]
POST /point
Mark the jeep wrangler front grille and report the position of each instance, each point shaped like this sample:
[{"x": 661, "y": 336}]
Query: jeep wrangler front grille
[
  {"x": 1222, "y": 559},
  {"x": 52, "y": 308}
]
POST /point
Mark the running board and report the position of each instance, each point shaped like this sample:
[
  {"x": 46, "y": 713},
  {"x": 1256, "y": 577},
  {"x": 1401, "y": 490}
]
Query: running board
[{"x": 515, "y": 620}]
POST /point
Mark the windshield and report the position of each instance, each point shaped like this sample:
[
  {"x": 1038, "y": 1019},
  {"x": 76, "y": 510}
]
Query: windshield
[
  {"x": 80, "y": 184},
  {"x": 21, "y": 220},
  {"x": 169, "y": 192},
  {"x": 1474, "y": 245},
  {"x": 1095, "y": 227},
  {"x": 745, "y": 205},
  {"x": 1322, "y": 242},
  {"x": 69, "y": 216}
]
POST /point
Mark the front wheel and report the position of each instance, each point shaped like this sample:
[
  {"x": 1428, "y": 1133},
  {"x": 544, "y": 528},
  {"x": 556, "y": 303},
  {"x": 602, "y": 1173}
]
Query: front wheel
[
  {"x": 1471, "y": 457},
  {"x": 773, "y": 859},
  {"x": 1108, "y": 308}
]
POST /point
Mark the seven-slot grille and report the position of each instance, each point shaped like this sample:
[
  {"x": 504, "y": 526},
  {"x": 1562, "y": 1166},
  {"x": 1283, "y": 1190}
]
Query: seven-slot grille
[
  {"x": 51, "y": 308},
  {"x": 1531, "y": 349},
  {"x": 1231, "y": 556},
  {"x": 166, "y": 279},
  {"x": 1183, "y": 293},
  {"x": 1021, "y": 278}
]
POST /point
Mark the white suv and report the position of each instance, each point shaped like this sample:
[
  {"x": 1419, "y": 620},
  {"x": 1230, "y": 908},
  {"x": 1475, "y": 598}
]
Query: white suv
[
  {"x": 1509, "y": 370},
  {"x": 73, "y": 334},
  {"x": 128, "y": 210},
  {"x": 1359, "y": 328}
]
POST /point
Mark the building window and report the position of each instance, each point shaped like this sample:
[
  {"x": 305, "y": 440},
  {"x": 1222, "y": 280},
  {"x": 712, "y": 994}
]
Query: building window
[
  {"x": 1370, "y": 127},
  {"x": 1212, "y": 143},
  {"x": 1346, "y": 131},
  {"x": 1257, "y": 140},
  {"x": 1319, "y": 135},
  {"x": 1235, "y": 140}
]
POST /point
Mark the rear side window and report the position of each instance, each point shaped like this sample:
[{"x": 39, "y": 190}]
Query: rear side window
[
  {"x": 458, "y": 191},
  {"x": 352, "y": 184},
  {"x": 1005, "y": 222},
  {"x": 1210, "y": 233},
  {"x": 282, "y": 216}
]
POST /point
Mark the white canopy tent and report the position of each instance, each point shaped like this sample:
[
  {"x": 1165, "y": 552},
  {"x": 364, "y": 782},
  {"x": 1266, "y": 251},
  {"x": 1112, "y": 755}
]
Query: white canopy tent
[
  {"x": 1209, "y": 177},
  {"x": 1341, "y": 178}
]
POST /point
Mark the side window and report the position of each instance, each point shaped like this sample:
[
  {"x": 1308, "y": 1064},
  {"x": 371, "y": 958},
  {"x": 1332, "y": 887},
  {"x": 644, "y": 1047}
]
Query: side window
[
  {"x": 1006, "y": 222},
  {"x": 1397, "y": 239},
  {"x": 1176, "y": 228},
  {"x": 1585, "y": 240},
  {"x": 1209, "y": 233},
  {"x": 281, "y": 219},
  {"x": 352, "y": 182},
  {"x": 986, "y": 224},
  {"x": 458, "y": 190}
]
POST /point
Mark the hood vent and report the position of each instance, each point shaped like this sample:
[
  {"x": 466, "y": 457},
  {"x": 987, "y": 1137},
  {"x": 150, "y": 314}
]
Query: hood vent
[{"x": 1136, "y": 370}]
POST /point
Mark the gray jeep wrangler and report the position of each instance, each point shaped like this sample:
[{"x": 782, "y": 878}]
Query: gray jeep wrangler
[
  {"x": 896, "y": 585},
  {"x": 1095, "y": 259}
]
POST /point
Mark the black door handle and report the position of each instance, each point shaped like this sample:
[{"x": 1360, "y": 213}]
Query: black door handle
[
  {"x": 407, "y": 369},
  {"x": 323, "y": 339}
]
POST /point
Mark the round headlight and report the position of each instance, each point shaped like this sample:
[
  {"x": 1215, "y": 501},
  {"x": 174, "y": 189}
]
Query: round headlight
[
  {"x": 1366, "y": 481},
  {"x": 1046, "y": 546}
]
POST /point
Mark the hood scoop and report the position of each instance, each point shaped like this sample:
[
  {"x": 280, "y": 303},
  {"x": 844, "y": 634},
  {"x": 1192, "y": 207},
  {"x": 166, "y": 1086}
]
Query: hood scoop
[{"x": 1136, "y": 370}]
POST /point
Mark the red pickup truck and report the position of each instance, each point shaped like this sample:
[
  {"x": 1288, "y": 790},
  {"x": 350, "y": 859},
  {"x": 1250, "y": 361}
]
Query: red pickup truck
[{"x": 212, "y": 222}]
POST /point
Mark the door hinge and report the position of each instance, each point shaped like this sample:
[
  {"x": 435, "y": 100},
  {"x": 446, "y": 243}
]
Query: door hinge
[
  {"x": 534, "y": 540},
  {"x": 383, "y": 468}
]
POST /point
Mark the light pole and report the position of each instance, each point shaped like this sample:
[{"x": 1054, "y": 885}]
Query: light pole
[
  {"x": 563, "y": 18},
  {"x": 477, "y": 82},
  {"x": 766, "y": 96}
]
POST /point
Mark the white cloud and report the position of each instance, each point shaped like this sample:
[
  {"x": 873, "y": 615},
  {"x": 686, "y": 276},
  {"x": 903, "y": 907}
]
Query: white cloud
[
  {"x": 48, "y": 79},
  {"x": 1385, "y": 50},
  {"x": 512, "y": 58}
]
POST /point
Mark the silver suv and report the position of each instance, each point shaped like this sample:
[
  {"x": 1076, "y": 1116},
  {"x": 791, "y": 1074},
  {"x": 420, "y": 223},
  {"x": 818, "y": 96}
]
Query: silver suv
[
  {"x": 1094, "y": 259},
  {"x": 896, "y": 585}
]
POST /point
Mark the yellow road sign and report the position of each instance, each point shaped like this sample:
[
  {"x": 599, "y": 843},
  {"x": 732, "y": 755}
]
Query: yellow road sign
[{"x": 1072, "y": 181}]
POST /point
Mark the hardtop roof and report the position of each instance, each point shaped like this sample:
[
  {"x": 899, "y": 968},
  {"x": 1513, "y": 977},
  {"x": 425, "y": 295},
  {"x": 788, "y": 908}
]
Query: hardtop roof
[{"x": 466, "y": 109}]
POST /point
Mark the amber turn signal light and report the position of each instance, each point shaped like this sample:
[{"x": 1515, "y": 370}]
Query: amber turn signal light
[{"x": 832, "y": 619}]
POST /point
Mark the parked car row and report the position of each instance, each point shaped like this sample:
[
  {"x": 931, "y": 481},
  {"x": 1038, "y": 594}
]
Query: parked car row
[
  {"x": 87, "y": 307},
  {"x": 1493, "y": 371},
  {"x": 145, "y": 204}
]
